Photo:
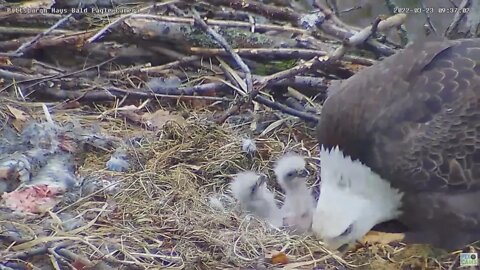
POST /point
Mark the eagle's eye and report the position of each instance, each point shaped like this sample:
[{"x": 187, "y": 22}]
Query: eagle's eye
[{"x": 347, "y": 230}]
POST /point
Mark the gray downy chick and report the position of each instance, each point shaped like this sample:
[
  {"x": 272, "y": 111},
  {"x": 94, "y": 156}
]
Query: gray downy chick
[
  {"x": 250, "y": 189},
  {"x": 299, "y": 203}
]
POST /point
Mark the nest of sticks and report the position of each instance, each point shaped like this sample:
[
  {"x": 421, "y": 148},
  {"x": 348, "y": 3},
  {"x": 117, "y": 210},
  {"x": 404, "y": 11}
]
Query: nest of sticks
[{"x": 173, "y": 208}]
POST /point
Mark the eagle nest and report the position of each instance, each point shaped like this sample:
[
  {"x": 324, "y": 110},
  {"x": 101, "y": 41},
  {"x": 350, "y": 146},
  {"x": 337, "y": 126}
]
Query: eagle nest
[{"x": 173, "y": 209}]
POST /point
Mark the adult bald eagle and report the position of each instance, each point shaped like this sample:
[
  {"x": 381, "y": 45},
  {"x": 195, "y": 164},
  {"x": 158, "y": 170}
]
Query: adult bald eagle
[{"x": 411, "y": 125}]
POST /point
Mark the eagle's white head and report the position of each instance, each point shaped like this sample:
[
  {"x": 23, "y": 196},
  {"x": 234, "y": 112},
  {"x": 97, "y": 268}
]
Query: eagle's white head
[{"x": 352, "y": 200}]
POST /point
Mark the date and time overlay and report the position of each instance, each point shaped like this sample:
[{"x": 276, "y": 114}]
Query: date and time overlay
[
  {"x": 396, "y": 10},
  {"x": 421, "y": 10}
]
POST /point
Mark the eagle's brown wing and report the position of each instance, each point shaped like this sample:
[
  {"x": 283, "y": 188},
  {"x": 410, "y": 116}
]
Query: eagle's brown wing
[{"x": 414, "y": 118}]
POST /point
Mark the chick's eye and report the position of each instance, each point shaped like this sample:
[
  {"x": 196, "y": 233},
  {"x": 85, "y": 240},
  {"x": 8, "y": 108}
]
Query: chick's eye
[
  {"x": 347, "y": 230},
  {"x": 290, "y": 174}
]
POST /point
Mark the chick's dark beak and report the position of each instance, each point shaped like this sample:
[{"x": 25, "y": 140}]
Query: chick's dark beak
[
  {"x": 303, "y": 173},
  {"x": 261, "y": 180}
]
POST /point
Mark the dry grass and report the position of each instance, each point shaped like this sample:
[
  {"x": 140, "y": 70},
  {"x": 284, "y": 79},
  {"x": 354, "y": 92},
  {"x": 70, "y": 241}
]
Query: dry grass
[{"x": 161, "y": 216}]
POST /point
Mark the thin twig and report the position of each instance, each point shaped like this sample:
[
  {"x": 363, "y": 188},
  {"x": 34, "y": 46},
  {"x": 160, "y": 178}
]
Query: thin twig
[
  {"x": 452, "y": 3},
  {"x": 275, "y": 105},
  {"x": 11, "y": 255},
  {"x": 122, "y": 18},
  {"x": 333, "y": 5},
  {"x": 274, "y": 53},
  {"x": 222, "y": 23},
  {"x": 363, "y": 35},
  {"x": 427, "y": 16},
  {"x": 333, "y": 15},
  {"x": 21, "y": 50},
  {"x": 222, "y": 42},
  {"x": 176, "y": 10},
  {"x": 56, "y": 76},
  {"x": 59, "y": 246},
  {"x": 113, "y": 93},
  {"x": 156, "y": 69},
  {"x": 457, "y": 18},
  {"x": 72, "y": 256},
  {"x": 347, "y": 10},
  {"x": 107, "y": 27},
  {"x": 402, "y": 31}
]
